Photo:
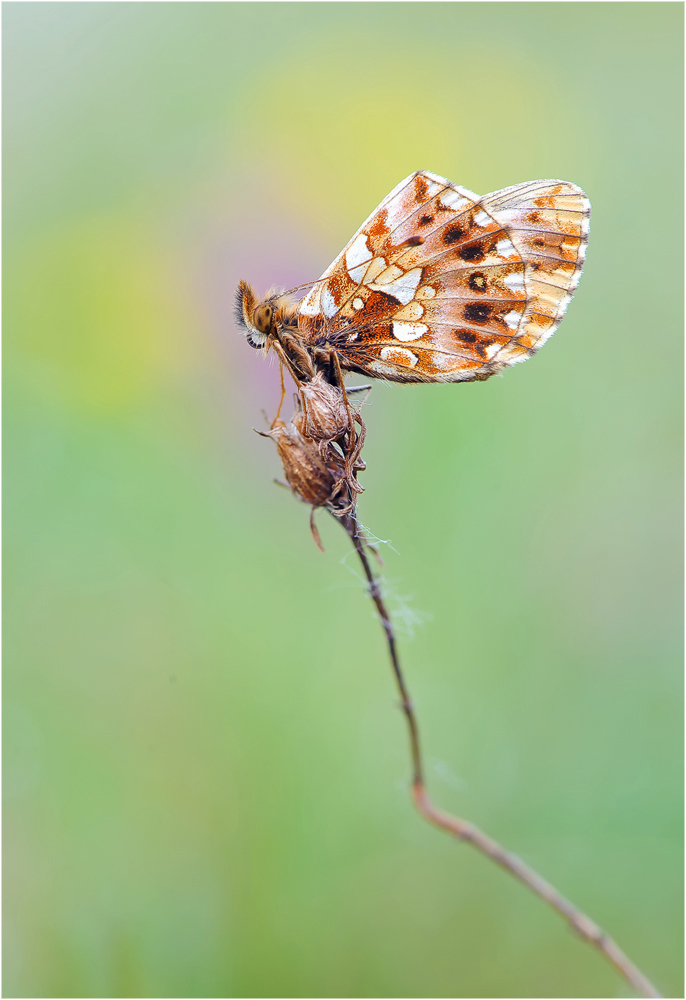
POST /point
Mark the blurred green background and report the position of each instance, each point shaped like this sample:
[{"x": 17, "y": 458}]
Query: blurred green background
[{"x": 205, "y": 768}]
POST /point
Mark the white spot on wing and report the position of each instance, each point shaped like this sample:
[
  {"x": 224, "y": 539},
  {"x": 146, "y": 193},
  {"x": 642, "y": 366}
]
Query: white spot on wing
[
  {"x": 329, "y": 306},
  {"x": 515, "y": 282},
  {"x": 358, "y": 303},
  {"x": 426, "y": 292},
  {"x": 482, "y": 219},
  {"x": 404, "y": 287},
  {"x": 452, "y": 199},
  {"x": 505, "y": 247},
  {"x": 431, "y": 187},
  {"x": 512, "y": 319},
  {"x": 409, "y": 331},
  {"x": 357, "y": 253},
  {"x": 358, "y": 273}
]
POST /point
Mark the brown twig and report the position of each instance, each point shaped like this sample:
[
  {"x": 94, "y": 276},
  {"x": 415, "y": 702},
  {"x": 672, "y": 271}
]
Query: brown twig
[{"x": 582, "y": 924}]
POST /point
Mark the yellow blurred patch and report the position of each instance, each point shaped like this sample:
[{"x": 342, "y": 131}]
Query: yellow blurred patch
[
  {"x": 92, "y": 315},
  {"x": 337, "y": 135}
]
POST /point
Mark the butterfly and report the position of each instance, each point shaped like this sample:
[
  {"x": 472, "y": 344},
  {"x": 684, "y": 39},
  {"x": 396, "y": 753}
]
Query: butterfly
[{"x": 438, "y": 285}]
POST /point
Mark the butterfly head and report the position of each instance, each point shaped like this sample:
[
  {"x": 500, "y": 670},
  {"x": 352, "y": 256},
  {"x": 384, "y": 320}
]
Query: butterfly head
[{"x": 261, "y": 319}]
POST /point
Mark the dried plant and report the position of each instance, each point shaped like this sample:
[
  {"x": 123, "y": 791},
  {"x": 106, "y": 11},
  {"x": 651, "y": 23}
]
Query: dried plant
[{"x": 320, "y": 450}]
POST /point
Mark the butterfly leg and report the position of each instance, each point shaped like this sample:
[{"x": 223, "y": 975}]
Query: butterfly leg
[
  {"x": 283, "y": 392},
  {"x": 284, "y": 363}
]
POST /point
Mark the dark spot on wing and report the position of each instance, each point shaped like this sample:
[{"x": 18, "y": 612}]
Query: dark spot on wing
[
  {"x": 453, "y": 234},
  {"x": 477, "y": 282},
  {"x": 539, "y": 243},
  {"x": 476, "y": 342},
  {"x": 413, "y": 241},
  {"x": 477, "y": 312},
  {"x": 426, "y": 219},
  {"x": 471, "y": 252}
]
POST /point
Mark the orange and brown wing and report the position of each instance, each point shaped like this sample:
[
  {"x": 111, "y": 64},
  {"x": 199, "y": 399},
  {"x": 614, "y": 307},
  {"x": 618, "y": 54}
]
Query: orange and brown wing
[{"x": 440, "y": 285}]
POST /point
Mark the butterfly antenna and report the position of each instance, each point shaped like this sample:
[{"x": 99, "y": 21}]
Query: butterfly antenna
[{"x": 307, "y": 284}]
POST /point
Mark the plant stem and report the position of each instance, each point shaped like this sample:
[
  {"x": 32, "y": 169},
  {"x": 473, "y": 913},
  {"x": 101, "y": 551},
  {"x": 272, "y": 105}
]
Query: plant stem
[{"x": 465, "y": 831}]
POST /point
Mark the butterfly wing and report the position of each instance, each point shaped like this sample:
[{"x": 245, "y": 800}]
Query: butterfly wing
[{"x": 442, "y": 285}]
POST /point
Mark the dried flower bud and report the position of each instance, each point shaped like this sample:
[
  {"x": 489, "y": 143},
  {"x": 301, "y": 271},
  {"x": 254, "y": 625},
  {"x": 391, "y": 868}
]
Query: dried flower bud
[
  {"x": 314, "y": 471},
  {"x": 325, "y": 417}
]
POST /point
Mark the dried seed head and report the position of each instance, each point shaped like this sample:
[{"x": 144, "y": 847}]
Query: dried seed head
[
  {"x": 314, "y": 471},
  {"x": 325, "y": 417}
]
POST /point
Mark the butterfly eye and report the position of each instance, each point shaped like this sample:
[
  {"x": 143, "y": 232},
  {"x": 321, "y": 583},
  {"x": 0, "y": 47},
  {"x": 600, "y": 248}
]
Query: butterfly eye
[{"x": 262, "y": 318}]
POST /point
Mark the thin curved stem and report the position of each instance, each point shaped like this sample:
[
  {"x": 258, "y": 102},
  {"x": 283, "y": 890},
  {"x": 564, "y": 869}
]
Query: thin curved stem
[{"x": 469, "y": 833}]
